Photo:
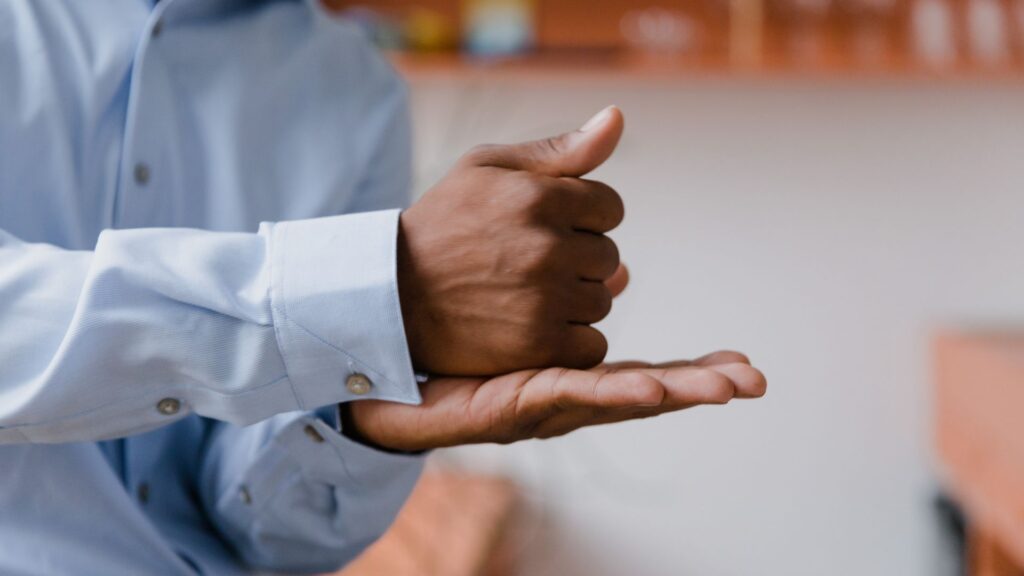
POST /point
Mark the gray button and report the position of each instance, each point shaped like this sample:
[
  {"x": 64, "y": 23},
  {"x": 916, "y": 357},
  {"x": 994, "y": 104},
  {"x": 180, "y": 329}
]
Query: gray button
[
  {"x": 243, "y": 493},
  {"x": 358, "y": 384},
  {"x": 168, "y": 406},
  {"x": 141, "y": 174},
  {"x": 313, "y": 434},
  {"x": 157, "y": 28},
  {"x": 143, "y": 492}
]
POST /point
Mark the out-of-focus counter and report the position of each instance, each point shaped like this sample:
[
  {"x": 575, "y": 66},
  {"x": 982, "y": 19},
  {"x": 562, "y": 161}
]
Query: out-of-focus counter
[
  {"x": 980, "y": 434},
  {"x": 453, "y": 525}
]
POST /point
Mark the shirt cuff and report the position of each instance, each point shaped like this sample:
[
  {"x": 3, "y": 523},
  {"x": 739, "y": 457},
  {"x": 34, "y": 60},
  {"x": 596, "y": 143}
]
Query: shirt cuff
[
  {"x": 312, "y": 485},
  {"x": 334, "y": 299}
]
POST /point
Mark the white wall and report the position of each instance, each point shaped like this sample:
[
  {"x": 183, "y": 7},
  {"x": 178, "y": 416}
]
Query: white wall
[{"x": 825, "y": 227}]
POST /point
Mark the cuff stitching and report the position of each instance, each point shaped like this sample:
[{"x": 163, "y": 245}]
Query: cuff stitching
[{"x": 273, "y": 308}]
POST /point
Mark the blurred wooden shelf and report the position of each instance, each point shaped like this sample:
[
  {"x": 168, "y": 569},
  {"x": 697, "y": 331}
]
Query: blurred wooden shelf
[
  {"x": 617, "y": 66},
  {"x": 860, "y": 40}
]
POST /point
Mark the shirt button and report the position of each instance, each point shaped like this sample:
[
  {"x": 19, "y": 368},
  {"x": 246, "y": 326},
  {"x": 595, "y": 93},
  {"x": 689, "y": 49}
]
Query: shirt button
[
  {"x": 143, "y": 492},
  {"x": 313, "y": 434},
  {"x": 158, "y": 27},
  {"x": 358, "y": 384},
  {"x": 168, "y": 406},
  {"x": 243, "y": 493},
  {"x": 141, "y": 174}
]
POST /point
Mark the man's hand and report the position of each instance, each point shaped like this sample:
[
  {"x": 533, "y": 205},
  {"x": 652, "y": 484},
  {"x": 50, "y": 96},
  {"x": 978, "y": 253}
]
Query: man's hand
[
  {"x": 551, "y": 402},
  {"x": 501, "y": 266}
]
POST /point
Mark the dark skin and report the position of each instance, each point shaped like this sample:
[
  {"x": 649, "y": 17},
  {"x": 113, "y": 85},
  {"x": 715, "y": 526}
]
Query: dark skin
[{"x": 504, "y": 266}]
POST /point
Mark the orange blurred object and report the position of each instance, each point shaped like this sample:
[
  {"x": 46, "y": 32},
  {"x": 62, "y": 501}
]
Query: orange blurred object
[
  {"x": 980, "y": 433},
  {"x": 453, "y": 525}
]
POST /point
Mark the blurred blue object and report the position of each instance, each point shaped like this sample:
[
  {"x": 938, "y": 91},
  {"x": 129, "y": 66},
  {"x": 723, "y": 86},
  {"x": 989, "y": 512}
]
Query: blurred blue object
[
  {"x": 381, "y": 29},
  {"x": 499, "y": 27}
]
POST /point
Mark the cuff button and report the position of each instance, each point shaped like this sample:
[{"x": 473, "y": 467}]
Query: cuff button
[
  {"x": 168, "y": 406},
  {"x": 313, "y": 434},
  {"x": 358, "y": 384}
]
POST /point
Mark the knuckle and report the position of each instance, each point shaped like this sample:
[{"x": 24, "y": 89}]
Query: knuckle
[
  {"x": 602, "y": 254},
  {"x": 530, "y": 193},
  {"x": 540, "y": 254},
  {"x": 603, "y": 304},
  {"x": 613, "y": 209},
  {"x": 481, "y": 154},
  {"x": 760, "y": 386},
  {"x": 539, "y": 334},
  {"x": 598, "y": 350},
  {"x": 718, "y": 388},
  {"x": 535, "y": 336},
  {"x": 548, "y": 146},
  {"x": 617, "y": 208},
  {"x": 593, "y": 302},
  {"x": 540, "y": 349},
  {"x": 611, "y": 255},
  {"x": 592, "y": 350},
  {"x": 731, "y": 356}
]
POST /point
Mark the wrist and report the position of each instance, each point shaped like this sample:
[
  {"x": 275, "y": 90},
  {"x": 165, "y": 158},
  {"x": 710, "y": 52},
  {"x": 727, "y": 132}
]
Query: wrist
[
  {"x": 407, "y": 291},
  {"x": 347, "y": 422}
]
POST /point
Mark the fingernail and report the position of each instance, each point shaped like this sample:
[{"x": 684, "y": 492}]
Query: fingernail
[{"x": 597, "y": 120}]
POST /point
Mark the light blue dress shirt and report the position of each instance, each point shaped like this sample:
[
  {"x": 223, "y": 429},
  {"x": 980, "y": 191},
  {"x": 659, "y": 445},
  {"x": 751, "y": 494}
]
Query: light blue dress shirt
[{"x": 182, "y": 301}]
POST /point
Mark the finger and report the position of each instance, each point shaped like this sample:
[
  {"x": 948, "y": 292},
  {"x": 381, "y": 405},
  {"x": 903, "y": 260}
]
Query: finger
[
  {"x": 748, "y": 381},
  {"x": 622, "y": 365},
  {"x": 691, "y": 385},
  {"x": 683, "y": 388},
  {"x": 593, "y": 256},
  {"x": 583, "y": 347},
  {"x": 720, "y": 357},
  {"x": 604, "y": 390},
  {"x": 619, "y": 280},
  {"x": 595, "y": 206},
  {"x": 572, "y": 154},
  {"x": 557, "y": 390},
  {"x": 591, "y": 302}
]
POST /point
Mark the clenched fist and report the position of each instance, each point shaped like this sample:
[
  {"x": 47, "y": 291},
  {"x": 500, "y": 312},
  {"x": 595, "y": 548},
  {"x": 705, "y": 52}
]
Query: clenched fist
[{"x": 502, "y": 266}]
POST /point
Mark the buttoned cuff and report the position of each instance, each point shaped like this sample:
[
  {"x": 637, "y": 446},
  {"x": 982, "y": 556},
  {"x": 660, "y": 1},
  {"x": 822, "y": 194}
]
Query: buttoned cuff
[
  {"x": 312, "y": 484},
  {"x": 334, "y": 299},
  {"x": 314, "y": 448}
]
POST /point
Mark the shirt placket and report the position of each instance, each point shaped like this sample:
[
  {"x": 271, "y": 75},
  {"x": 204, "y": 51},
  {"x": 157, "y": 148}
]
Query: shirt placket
[{"x": 141, "y": 177}]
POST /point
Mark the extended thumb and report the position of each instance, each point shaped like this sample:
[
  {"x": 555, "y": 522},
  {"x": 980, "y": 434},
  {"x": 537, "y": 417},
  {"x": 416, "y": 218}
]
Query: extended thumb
[{"x": 571, "y": 154}]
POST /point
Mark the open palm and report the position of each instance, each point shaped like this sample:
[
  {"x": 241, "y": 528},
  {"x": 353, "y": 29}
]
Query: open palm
[{"x": 553, "y": 401}]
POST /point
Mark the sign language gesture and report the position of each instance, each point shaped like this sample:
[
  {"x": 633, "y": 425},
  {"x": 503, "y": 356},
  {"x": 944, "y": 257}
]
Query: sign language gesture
[{"x": 503, "y": 267}]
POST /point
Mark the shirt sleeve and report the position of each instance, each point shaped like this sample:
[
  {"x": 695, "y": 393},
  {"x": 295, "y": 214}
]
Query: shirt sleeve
[
  {"x": 155, "y": 324},
  {"x": 292, "y": 494}
]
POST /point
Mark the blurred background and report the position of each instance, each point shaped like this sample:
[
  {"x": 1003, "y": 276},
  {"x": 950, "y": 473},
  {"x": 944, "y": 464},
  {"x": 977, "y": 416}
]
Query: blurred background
[{"x": 835, "y": 187}]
